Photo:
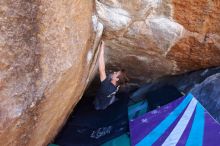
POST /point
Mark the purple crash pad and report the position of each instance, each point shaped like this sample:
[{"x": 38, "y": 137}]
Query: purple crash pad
[{"x": 181, "y": 122}]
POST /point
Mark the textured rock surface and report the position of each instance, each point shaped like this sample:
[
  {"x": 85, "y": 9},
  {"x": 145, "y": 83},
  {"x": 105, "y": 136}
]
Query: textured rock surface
[
  {"x": 183, "y": 82},
  {"x": 153, "y": 38},
  {"x": 46, "y": 59},
  {"x": 208, "y": 94}
]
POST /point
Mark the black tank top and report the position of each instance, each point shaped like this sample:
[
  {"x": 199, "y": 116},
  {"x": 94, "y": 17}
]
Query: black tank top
[{"x": 106, "y": 94}]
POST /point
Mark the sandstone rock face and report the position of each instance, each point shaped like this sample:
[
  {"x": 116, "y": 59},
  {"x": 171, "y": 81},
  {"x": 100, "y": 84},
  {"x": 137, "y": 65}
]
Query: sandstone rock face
[
  {"x": 47, "y": 54},
  {"x": 153, "y": 38}
]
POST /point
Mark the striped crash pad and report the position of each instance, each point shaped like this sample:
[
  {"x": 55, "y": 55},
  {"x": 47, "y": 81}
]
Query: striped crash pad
[{"x": 182, "y": 122}]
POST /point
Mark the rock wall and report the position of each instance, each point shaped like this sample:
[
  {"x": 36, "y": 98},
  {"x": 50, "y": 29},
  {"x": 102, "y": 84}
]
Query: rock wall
[
  {"x": 208, "y": 94},
  {"x": 47, "y": 55},
  {"x": 183, "y": 82},
  {"x": 153, "y": 38}
]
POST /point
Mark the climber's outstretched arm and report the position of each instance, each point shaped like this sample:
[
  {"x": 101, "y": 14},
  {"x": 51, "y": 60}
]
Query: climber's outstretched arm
[{"x": 102, "y": 72}]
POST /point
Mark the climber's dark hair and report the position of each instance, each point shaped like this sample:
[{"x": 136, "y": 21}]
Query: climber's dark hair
[{"x": 123, "y": 78}]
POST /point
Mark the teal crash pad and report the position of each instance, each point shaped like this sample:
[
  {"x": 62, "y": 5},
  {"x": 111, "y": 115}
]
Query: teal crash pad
[
  {"x": 53, "y": 145},
  {"x": 122, "y": 140},
  {"x": 137, "y": 109},
  {"x": 134, "y": 111}
]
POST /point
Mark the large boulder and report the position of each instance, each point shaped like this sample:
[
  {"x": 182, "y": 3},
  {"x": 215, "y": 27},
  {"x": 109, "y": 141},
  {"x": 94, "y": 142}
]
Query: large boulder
[
  {"x": 47, "y": 55},
  {"x": 183, "y": 82},
  {"x": 153, "y": 38},
  {"x": 208, "y": 93}
]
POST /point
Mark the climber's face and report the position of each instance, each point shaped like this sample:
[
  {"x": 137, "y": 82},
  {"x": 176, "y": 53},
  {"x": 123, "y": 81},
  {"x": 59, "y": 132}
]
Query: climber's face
[{"x": 114, "y": 76}]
